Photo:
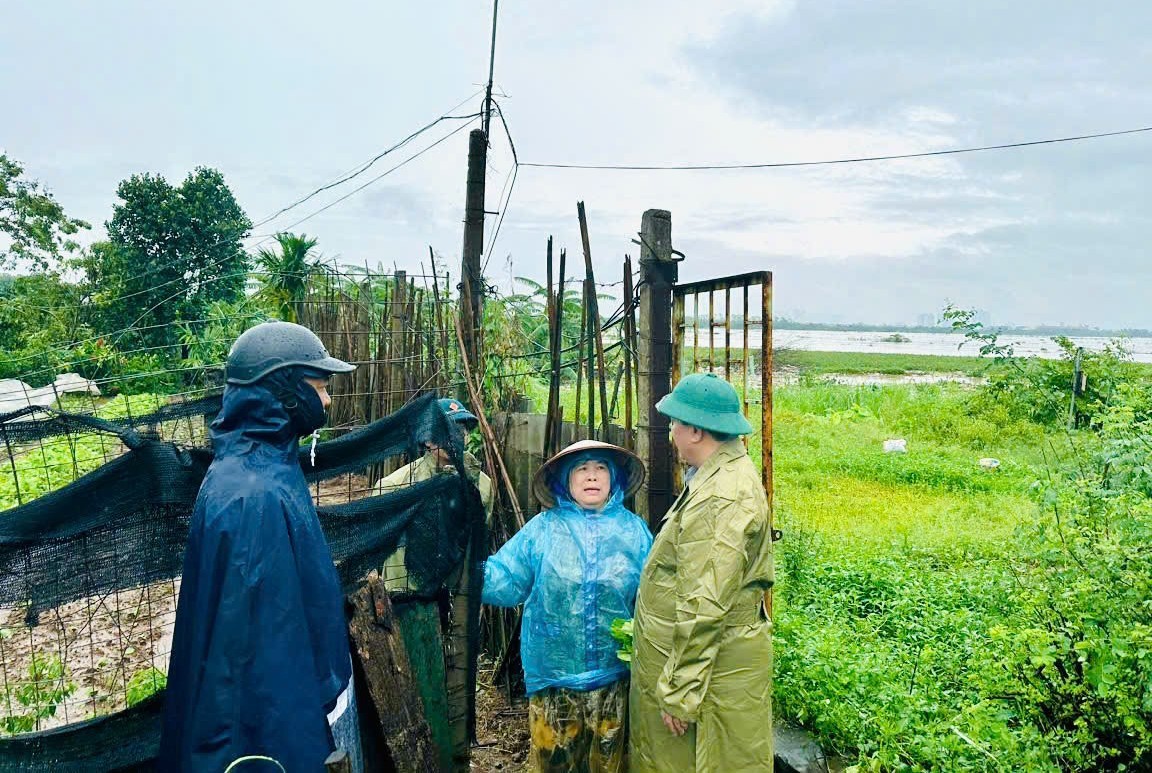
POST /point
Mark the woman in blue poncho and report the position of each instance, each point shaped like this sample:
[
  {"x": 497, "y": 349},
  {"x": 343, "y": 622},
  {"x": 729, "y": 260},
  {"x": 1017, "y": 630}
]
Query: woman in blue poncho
[{"x": 575, "y": 567}]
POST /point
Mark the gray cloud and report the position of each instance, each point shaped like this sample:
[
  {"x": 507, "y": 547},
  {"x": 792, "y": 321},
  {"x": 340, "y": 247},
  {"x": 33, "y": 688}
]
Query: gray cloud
[{"x": 1054, "y": 233}]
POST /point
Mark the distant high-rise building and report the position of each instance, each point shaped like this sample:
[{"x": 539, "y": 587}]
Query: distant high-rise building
[
  {"x": 983, "y": 317},
  {"x": 926, "y": 320}
]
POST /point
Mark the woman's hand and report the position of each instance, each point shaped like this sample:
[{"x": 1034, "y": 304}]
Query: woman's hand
[{"x": 674, "y": 725}]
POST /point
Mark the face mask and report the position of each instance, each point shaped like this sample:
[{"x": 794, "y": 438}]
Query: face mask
[{"x": 299, "y": 398}]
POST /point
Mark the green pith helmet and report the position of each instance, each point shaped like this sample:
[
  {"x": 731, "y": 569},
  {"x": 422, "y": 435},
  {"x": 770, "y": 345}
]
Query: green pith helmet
[{"x": 708, "y": 402}]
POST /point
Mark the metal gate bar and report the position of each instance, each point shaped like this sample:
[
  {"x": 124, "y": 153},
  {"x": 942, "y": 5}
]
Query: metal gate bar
[{"x": 743, "y": 282}]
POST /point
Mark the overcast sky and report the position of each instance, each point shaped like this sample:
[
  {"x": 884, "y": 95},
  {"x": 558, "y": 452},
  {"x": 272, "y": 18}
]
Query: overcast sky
[{"x": 284, "y": 96}]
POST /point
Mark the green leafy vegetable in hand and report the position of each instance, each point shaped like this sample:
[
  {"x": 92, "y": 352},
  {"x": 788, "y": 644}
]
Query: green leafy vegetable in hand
[{"x": 622, "y": 632}]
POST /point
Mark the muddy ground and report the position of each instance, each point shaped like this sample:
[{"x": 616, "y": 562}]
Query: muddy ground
[{"x": 501, "y": 727}]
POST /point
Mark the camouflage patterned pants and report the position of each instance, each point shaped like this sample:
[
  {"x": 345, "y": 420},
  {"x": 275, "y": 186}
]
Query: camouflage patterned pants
[{"x": 579, "y": 732}]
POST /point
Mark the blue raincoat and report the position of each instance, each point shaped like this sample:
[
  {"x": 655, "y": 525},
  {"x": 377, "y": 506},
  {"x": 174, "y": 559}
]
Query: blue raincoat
[
  {"x": 260, "y": 649},
  {"x": 575, "y": 571}
]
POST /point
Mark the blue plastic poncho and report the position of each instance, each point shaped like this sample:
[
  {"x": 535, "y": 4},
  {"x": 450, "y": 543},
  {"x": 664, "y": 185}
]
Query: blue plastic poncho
[{"x": 575, "y": 571}]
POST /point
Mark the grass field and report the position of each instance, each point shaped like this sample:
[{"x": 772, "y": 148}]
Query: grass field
[
  {"x": 893, "y": 569},
  {"x": 818, "y": 363}
]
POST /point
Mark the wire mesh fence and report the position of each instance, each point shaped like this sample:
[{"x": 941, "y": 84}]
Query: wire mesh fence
[{"x": 97, "y": 640}]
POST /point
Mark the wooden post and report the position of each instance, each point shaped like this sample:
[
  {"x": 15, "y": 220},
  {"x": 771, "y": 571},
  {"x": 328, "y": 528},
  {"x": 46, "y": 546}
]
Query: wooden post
[
  {"x": 658, "y": 273},
  {"x": 471, "y": 278},
  {"x": 553, "y": 379},
  {"x": 399, "y": 304},
  {"x": 380, "y": 650},
  {"x": 580, "y": 363},
  {"x": 598, "y": 336},
  {"x": 556, "y": 340},
  {"x": 629, "y": 353},
  {"x": 589, "y": 291}
]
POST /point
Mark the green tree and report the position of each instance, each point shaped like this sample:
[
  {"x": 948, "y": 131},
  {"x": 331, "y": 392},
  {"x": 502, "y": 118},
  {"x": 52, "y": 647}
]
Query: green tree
[
  {"x": 33, "y": 223},
  {"x": 285, "y": 273},
  {"x": 171, "y": 252},
  {"x": 39, "y": 320}
]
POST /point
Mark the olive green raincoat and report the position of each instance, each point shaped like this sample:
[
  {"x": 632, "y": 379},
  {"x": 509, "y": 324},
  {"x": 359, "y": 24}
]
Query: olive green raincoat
[{"x": 702, "y": 638}]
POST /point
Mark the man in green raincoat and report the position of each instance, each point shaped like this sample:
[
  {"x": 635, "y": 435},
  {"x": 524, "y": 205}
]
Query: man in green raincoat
[{"x": 701, "y": 695}]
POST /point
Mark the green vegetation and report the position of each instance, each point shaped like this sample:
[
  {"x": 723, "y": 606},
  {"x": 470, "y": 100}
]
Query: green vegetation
[
  {"x": 622, "y": 632},
  {"x": 820, "y": 363},
  {"x": 32, "y": 221},
  {"x": 53, "y": 463},
  {"x": 35, "y": 698},
  {"x": 932, "y": 614},
  {"x": 144, "y": 684},
  {"x": 783, "y": 323}
]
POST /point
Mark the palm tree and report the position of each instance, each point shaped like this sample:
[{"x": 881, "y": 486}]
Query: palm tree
[{"x": 285, "y": 273}]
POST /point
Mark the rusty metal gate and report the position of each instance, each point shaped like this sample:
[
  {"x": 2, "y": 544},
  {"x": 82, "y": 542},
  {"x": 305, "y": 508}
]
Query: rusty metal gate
[{"x": 743, "y": 356}]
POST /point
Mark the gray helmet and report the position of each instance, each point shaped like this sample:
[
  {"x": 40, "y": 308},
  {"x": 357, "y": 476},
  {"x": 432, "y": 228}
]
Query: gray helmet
[{"x": 270, "y": 346}]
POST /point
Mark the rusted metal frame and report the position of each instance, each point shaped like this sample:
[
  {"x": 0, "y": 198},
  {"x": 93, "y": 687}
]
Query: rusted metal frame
[
  {"x": 711, "y": 330},
  {"x": 744, "y": 369},
  {"x": 679, "y": 327},
  {"x": 728, "y": 333},
  {"x": 766, "y": 410},
  {"x": 722, "y": 283},
  {"x": 695, "y": 331}
]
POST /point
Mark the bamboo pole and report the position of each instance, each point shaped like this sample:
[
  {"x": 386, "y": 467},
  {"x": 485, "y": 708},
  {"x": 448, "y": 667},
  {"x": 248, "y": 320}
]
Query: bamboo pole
[
  {"x": 629, "y": 353},
  {"x": 492, "y": 449},
  {"x": 594, "y": 311},
  {"x": 557, "y": 354}
]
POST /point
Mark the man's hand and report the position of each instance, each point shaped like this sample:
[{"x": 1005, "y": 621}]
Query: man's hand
[{"x": 674, "y": 725}]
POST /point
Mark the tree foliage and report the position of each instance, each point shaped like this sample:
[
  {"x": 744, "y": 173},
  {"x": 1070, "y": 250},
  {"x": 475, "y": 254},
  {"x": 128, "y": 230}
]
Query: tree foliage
[
  {"x": 40, "y": 317},
  {"x": 171, "y": 252},
  {"x": 285, "y": 273},
  {"x": 32, "y": 221}
]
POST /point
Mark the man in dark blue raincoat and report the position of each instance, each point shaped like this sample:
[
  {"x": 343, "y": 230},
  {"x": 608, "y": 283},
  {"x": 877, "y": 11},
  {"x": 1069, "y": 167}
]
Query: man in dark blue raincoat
[{"x": 260, "y": 650}]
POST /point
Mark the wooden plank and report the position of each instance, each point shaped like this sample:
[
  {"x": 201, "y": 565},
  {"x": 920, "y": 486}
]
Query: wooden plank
[{"x": 379, "y": 647}]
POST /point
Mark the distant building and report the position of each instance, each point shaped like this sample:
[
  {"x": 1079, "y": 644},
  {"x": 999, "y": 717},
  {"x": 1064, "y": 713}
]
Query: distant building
[
  {"x": 983, "y": 317},
  {"x": 926, "y": 320}
]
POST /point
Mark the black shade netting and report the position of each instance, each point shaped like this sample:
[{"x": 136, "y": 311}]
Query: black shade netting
[{"x": 89, "y": 573}]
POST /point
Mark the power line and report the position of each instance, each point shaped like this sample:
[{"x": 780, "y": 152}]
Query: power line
[
  {"x": 385, "y": 173},
  {"x": 326, "y": 207},
  {"x": 345, "y": 177},
  {"x": 364, "y": 167},
  {"x": 830, "y": 162},
  {"x": 510, "y": 184}
]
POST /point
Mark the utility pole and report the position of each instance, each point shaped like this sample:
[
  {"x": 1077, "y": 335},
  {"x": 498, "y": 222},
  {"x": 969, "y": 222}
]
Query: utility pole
[
  {"x": 658, "y": 274},
  {"x": 459, "y": 657},
  {"x": 471, "y": 271}
]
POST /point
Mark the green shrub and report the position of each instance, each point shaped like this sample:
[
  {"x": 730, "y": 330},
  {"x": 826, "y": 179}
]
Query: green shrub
[
  {"x": 36, "y": 698},
  {"x": 144, "y": 684}
]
